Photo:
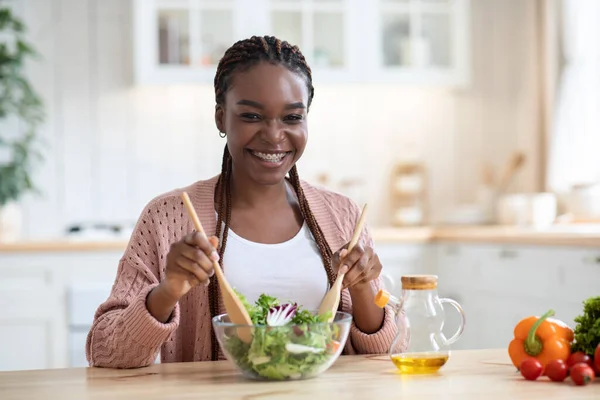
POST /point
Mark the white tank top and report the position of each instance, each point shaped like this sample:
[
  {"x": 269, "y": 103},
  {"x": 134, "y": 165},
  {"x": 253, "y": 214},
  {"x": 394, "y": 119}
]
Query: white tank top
[{"x": 291, "y": 271}]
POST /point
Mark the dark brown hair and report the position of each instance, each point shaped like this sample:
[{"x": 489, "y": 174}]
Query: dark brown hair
[{"x": 243, "y": 55}]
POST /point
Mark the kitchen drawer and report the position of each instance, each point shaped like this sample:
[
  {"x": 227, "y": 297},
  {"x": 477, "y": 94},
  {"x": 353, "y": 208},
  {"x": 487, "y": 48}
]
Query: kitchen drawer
[{"x": 84, "y": 299}]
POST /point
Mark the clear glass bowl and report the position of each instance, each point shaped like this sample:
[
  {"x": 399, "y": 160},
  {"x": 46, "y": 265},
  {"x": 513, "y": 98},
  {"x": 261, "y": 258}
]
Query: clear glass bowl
[{"x": 287, "y": 352}]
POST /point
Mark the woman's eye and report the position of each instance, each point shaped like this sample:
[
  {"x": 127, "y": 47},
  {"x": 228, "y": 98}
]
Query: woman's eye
[
  {"x": 293, "y": 118},
  {"x": 251, "y": 117}
]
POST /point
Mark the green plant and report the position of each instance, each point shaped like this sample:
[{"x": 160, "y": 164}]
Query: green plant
[{"x": 18, "y": 150}]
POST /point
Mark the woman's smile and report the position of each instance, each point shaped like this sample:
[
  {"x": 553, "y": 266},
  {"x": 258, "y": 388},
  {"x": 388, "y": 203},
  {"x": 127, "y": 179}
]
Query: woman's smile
[{"x": 270, "y": 159}]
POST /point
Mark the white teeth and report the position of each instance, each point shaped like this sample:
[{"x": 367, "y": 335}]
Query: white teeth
[{"x": 270, "y": 157}]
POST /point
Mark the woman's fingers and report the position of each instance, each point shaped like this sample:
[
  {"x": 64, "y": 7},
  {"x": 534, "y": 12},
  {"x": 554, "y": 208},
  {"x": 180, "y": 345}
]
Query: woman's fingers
[
  {"x": 214, "y": 241},
  {"x": 357, "y": 271},
  {"x": 195, "y": 239},
  {"x": 193, "y": 268},
  {"x": 199, "y": 257}
]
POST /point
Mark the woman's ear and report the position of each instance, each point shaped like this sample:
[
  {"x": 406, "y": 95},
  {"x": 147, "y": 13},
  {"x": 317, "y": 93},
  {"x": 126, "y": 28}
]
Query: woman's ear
[{"x": 219, "y": 117}]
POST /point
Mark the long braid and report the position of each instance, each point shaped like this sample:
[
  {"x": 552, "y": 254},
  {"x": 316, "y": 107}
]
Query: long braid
[
  {"x": 223, "y": 214},
  {"x": 311, "y": 221},
  {"x": 243, "y": 55}
]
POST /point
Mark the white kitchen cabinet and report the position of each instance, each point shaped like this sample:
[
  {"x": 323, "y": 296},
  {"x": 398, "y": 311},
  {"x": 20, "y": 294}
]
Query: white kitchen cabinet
[
  {"x": 31, "y": 319},
  {"x": 416, "y": 41},
  {"x": 498, "y": 285},
  {"x": 182, "y": 41},
  {"x": 40, "y": 325},
  {"x": 324, "y": 32}
]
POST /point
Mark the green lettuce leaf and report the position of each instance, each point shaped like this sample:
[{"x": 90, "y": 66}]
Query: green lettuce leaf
[{"x": 587, "y": 328}]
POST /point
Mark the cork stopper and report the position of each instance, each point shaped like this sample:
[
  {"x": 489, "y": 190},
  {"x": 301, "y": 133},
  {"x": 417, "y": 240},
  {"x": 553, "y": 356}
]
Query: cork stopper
[
  {"x": 419, "y": 282},
  {"x": 382, "y": 298}
]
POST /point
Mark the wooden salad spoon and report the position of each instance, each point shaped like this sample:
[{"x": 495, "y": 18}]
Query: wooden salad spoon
[
  {"x": 331, "y": 300},
  {"x": 235, "y": 309}
]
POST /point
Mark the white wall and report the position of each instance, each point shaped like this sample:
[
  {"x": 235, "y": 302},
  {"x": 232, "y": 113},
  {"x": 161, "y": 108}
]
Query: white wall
[{"x": 113, "y": 146}]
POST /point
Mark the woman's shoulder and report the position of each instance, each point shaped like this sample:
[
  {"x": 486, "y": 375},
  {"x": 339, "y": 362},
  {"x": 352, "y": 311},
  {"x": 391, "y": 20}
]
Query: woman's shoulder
[
  {"x": 200, "y": 192},
  {"x": 336, "y": 203},
  {"x": 336, "y": 213}
]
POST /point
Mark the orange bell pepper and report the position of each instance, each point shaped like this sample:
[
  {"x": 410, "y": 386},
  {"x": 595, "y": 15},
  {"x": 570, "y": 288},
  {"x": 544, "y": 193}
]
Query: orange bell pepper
[{"x": 542, "y": 338}]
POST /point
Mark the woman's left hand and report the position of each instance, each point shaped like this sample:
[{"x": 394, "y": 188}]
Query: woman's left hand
[{"x": 361, "y": 265}]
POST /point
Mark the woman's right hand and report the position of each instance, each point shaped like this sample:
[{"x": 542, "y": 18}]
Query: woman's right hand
[{"x": 189, "y": 264}]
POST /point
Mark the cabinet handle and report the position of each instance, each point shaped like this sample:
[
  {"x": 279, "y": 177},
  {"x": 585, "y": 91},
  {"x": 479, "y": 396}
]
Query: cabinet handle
[
  {"x": 508, "y": 254},
  {"x": 452, "y": 250},
  {"x": 592, "y": 260}
]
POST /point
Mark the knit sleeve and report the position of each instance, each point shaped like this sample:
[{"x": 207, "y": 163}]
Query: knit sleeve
[
  {"x": 378, "y": 342},
  {"x": 124, "y": 334}
]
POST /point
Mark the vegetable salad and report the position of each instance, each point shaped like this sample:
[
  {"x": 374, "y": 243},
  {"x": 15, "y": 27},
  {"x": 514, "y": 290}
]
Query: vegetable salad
[{"x": 289, "y": 342}]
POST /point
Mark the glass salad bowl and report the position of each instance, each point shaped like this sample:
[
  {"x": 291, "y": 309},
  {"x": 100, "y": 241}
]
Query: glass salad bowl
[{"x": 283, "y": 349}]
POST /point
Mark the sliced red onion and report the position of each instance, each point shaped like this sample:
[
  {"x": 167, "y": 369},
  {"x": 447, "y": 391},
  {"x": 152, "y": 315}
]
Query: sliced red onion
[{"x": 281, "y": 315}]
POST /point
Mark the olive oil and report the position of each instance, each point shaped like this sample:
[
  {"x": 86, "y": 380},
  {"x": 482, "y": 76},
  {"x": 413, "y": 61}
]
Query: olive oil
[{"x": 419, "y": 363}]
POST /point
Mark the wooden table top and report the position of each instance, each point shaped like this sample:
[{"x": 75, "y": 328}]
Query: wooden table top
[{"x": 473, "y": 374}]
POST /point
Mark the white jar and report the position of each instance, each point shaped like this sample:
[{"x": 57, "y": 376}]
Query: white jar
[{"x": 10, "y": 222}]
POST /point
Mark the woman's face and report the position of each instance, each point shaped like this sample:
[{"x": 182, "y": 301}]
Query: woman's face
[{"x": 264, "y": 116}]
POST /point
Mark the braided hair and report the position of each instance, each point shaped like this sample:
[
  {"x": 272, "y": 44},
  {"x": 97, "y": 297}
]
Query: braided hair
[{"x": 243, "y": 55}]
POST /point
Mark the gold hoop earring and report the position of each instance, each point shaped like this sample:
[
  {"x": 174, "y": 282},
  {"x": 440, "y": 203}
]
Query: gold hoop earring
[{"x": 222, "y": 134}]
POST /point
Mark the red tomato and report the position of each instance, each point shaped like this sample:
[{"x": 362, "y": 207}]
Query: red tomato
[
  {"x": 578, "y": 357},
  {"x": 333, "y": 346},
  {"x": 531, "y": 369},
  {"x": 582, "y": 374},
  {"x": 557, "y": 370},
  {"x": 597, "y": 359},
  {"x": 298, "y": 331}
]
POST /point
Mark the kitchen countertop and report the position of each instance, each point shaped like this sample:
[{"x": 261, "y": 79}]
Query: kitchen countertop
[
  {"x": 473, "y": 374},
  {"x": 560, "y": 235}
]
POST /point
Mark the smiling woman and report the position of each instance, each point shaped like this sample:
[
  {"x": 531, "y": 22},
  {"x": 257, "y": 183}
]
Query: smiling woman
[{"x": 274, "y": 233}]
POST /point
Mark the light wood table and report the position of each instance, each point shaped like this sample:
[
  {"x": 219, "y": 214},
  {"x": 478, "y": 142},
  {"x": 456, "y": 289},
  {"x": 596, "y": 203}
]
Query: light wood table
[{"x": 475, "y": 374}]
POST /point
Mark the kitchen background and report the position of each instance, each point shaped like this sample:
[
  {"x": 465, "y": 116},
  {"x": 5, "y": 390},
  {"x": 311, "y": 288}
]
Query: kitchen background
[{"x": 482, "y": 114}]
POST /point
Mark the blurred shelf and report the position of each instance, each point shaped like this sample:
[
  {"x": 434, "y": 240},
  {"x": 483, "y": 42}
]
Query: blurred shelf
[{"x": 62, "y": 245}]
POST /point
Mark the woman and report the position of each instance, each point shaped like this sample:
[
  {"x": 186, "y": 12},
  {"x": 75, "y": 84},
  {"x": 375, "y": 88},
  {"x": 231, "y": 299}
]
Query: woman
[{"x": 279, "y": 236}]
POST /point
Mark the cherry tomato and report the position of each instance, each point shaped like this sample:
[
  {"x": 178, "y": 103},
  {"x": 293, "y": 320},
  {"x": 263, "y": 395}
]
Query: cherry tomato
[
  {"x": 597, "y": 359},
  {"x": 298, "y": 331},
  {"x": 578, "y": 357},
  {"x": 557, "y": 370},
  {"x": 531, "y": 369},
  {"x": 333, "y": 346},
  {"x": 582, "y": 374}
]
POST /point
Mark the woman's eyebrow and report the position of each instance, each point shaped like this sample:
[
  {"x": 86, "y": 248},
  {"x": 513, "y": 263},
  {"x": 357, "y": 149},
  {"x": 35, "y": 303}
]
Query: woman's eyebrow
[
  {"x": 258, "y": 105},
  {"x": 250, "y": 103},
  {"x": 292, "y": 106}
]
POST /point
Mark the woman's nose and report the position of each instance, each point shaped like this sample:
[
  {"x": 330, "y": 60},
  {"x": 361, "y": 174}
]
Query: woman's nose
[{"x": 273, "y": 131}]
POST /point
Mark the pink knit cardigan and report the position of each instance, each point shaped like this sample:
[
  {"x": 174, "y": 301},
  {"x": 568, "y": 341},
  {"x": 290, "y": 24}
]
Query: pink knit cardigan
[{"x": 125, "y": 335}]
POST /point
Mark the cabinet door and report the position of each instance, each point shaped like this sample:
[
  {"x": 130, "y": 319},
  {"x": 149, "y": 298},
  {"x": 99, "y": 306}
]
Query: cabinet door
[
  {"x": 522, "y": 271},
  {"x": 419, "y": 41},
  {"x": 459, "y": 274},
  {"x": 32, "y": 321},
  {"x": 579, "y": 276},
  {"x": 182, "y": 40},
  {"x": 325, "y": 31}
]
